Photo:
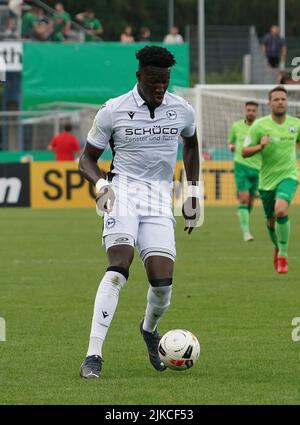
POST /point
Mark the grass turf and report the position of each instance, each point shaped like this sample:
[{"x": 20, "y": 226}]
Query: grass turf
[{"x": 225, "y": 291}]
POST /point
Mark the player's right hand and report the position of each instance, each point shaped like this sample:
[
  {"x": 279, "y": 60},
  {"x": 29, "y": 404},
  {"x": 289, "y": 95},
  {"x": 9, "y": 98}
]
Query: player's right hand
[{"x": 105, "y": 199}]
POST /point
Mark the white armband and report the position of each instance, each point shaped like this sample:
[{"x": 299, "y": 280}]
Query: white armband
[
  {"x": 100, "y": 184},
  {"x": 194, "y": 192}
]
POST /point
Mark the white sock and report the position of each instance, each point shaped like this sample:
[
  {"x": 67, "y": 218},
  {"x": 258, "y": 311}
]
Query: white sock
[
  {"x": 158, "y": 302},
  {"x": 104, "y": 308}
]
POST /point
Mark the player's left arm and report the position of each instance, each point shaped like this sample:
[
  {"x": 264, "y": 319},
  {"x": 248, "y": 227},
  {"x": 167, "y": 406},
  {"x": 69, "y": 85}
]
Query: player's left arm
[{"x": 191, "y": 207}]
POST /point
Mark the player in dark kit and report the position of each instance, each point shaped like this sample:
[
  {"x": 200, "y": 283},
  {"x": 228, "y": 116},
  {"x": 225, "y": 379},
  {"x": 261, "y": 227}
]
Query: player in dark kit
[{"x": 142, "y": 127}]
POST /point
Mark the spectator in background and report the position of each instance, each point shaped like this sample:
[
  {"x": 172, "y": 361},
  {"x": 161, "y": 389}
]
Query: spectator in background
[
  {"x": 91, "y": 24},
  {"x": 29, "y": 21},
  {"x": 274, "y": 47},
  {"x": 145, "y": 34},
  {"x": 126, "y": 36},
  {"x": 42, "y": 30},
  {"x": 65, "y": 144},
  {"x": 14, "y": 13},
  {"x": 61, "y": 22},
  {"x": 173, "y": 37}
]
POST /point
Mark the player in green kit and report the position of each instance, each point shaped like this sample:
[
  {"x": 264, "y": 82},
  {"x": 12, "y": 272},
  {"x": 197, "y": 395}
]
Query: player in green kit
[
  {"x": 246, "y": 171},
  {"x": 274, "y": 139}
]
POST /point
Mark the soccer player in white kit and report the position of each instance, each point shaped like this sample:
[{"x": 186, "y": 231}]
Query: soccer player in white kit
[{"x": 142, "y": 128}]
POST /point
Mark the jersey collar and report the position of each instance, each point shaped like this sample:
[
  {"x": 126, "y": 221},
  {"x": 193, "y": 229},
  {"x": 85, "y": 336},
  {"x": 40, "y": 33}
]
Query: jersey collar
[{"x": 140, "y": 101}]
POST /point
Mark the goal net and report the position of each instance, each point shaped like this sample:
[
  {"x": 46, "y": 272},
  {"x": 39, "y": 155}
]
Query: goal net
[{"x": 217, "y": 107}]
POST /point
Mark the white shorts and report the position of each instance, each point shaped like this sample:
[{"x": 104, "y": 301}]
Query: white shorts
[{"x": 133, "y": 221}]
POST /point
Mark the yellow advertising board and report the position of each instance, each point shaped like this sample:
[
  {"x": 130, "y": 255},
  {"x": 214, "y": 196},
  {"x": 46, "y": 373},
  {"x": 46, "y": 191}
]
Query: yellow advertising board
[
  {"x": 219, "y": 185},
  {"x": 59, "y": 185}
]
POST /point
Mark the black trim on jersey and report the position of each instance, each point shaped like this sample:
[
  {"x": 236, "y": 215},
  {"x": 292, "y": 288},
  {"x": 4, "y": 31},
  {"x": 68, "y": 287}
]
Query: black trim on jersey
[
  {"x": 110, "y": 174},
  {"x": 151, "y": 110}
]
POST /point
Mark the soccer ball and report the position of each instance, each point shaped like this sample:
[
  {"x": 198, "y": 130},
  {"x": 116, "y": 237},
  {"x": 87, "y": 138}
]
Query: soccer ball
[{"x": 179, "y": 349}]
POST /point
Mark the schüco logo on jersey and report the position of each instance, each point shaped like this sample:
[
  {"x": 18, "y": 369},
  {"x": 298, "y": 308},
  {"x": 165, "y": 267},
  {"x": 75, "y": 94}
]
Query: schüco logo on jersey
[{"x": 151, "y": 131}]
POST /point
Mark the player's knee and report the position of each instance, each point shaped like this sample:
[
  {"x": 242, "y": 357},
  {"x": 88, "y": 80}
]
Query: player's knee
[
  {"x": 121, "y": 266},
  {"x": 160, "y": 283},
  {"x": 244, "y": 201},
  {"x": 116, "y": 282},
  {"x": 271, "y": 222},
  {"x": 243, "y": 198},
  {"x": 120, "y": 256},
  {"x": 123, "y": 263},
  {"x": 160, "y": 292},
  {"x": 280, "y": 212}
]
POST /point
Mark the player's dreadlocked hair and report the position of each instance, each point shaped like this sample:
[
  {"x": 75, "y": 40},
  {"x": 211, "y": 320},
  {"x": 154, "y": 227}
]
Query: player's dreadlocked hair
[{"x": 155, "y": 56}]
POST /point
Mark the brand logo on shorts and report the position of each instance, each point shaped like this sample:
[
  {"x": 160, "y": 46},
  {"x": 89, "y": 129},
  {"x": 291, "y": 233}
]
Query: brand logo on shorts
[
  {"x": 172, "y": 115},
  {"x": 110, "y": 222},
  {"x": 121, "y": 240},
  {"x": 292, "y": 129}
]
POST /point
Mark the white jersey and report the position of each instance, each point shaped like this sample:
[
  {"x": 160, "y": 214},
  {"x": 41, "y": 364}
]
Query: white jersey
[{"x": 144, "y": 147}]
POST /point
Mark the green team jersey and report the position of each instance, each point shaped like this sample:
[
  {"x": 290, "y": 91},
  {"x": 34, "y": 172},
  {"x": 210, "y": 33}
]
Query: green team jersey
[
  {"x": 92, "y": 24},
  {"x": 59, "y": 20},
  {"x": 237, "y": 135},
  {"x": 279, "y": 158},
  {"x": 28, "y": 22}
]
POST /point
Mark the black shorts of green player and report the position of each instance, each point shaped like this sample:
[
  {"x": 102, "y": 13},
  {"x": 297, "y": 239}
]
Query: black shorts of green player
[
  {"x": 246, "y": 178},
  {"x": 286, "y": 190}
]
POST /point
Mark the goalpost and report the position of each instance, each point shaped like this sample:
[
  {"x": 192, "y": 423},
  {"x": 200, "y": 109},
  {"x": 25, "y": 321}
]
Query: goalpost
[{"x": 217, "y": 107}]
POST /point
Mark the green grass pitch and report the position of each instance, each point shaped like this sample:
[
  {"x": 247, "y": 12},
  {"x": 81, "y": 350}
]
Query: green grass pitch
[{"x": 225, "y": 291}]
